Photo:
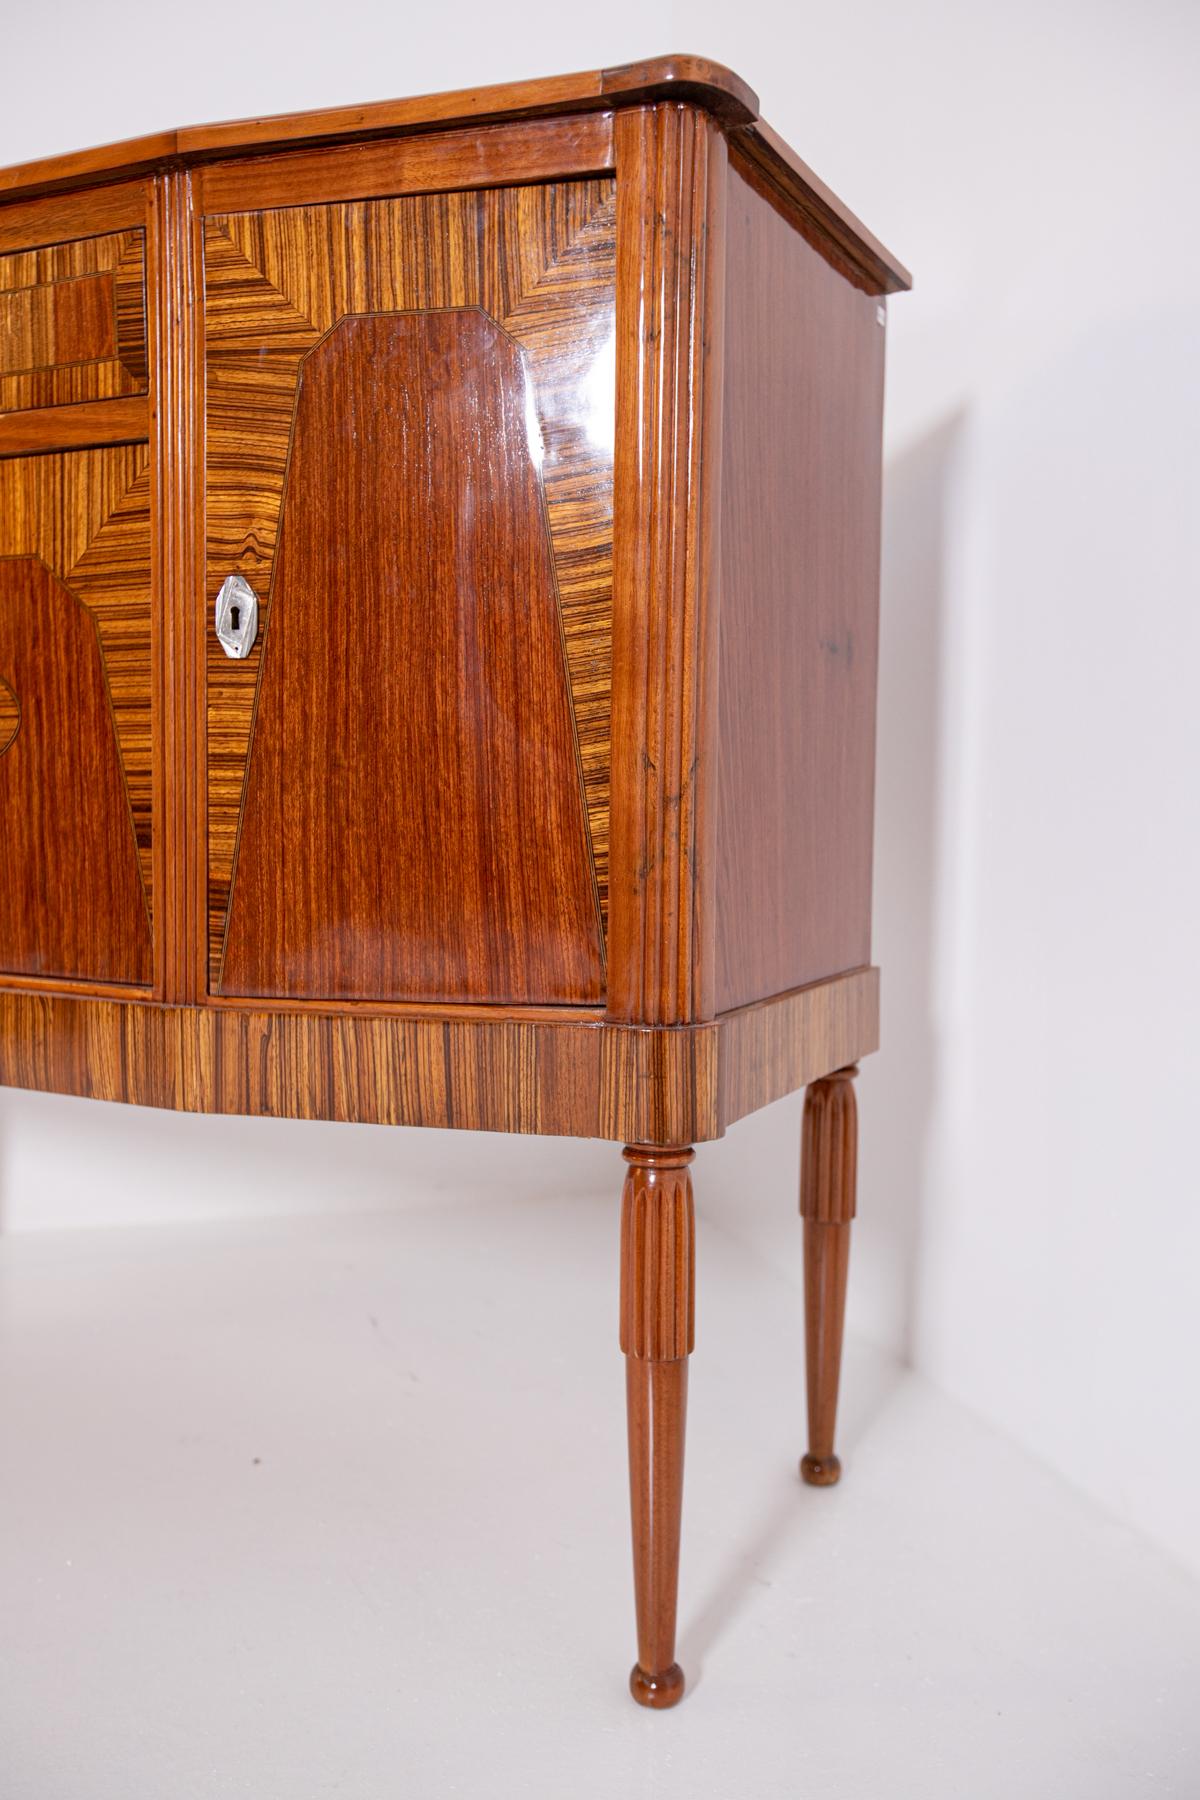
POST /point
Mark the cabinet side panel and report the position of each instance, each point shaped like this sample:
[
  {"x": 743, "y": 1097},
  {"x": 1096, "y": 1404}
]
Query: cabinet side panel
[{"x": 799, "y": 562}]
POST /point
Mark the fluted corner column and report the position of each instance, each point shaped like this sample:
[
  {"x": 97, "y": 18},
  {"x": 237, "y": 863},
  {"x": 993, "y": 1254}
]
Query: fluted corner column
[
  {"x": 658, "y": 1264},
  {"x": 828, "y": 1182}
]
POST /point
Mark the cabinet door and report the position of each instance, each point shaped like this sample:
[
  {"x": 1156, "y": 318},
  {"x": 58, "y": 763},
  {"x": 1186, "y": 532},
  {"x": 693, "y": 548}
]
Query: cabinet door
[
  {"x": 409, "y": 417},
  {"x": 75, "y": 595}
]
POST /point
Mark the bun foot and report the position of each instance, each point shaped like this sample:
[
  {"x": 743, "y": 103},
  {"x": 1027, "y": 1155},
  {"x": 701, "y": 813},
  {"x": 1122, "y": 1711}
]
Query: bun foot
[
  {"x": 821, "y": 1471},
  {"x": 658, "y": 1691}
]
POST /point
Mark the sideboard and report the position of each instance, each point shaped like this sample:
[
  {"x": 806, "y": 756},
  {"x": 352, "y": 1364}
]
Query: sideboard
[{"x": 439, "y": 563}]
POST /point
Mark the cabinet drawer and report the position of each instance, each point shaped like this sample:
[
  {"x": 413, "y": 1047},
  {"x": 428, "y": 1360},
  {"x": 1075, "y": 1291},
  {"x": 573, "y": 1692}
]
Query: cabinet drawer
[{"x": 73, "y": 322}]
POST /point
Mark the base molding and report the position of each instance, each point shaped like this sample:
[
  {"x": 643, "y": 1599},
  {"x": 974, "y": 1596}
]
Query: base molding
[{"x": 568, "y": 1077}]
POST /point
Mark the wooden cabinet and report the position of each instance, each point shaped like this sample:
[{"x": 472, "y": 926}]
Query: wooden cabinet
[{"x": 525, "y": 443}]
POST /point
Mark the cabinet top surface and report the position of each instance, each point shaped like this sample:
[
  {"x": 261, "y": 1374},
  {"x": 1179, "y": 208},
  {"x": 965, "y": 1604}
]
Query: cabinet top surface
[{"x": 694, "y": 79}]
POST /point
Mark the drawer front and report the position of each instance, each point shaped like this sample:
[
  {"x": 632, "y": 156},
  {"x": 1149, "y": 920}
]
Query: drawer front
[
  {"x": 409, "y": 435},
  {"x": 73, "y": 322},
  {"x": 76, "y": 681}
]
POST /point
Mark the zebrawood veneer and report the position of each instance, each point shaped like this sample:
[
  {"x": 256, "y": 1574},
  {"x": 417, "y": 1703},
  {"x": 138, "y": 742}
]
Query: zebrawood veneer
[{"x": 544, "y": 424}]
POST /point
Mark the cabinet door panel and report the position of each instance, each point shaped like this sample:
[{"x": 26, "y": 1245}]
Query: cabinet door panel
[
  {"x": 71, "y": 901},
  {"x": 76, "y": 626},
  {"x": 75, "y": 653},
  {"x": 413, "y": 821},
  {"x": 408, "y": 776}
]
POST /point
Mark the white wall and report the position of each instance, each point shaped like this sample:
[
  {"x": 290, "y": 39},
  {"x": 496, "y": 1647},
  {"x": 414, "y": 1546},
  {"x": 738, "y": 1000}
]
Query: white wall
[{"x": 1031, "y": 1227}]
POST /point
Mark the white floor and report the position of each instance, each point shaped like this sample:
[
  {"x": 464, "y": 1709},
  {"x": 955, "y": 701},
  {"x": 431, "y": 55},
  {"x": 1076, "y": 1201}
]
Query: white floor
[{"x": 337, "y": 1507}]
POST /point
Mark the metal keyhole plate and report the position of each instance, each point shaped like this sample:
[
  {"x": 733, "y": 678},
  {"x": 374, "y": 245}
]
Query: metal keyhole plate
[{"x": 237, "y": 617}]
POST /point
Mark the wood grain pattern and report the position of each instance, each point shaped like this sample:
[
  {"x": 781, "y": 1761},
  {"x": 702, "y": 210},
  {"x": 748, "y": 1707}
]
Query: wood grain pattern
[
  {"x": 697, "y": 79},
  {"x": 85, "y": 514},
  {"x": 691, "y": 78},
  {"x": 829, "y": 1149},
  {"x": 540, "y": 261},
  {"x": 658, "y": 1255},
  {"x": 828, "y": 1185},
  {"x": 776, "y": 1046},
  {"x": 545, "y": 421},
  {"x": 656, "y": 1423},
  {"x": 682, "y": 77},
  {"x": 826, "y": 1274},
  {"x": 413, "y": 826},
  {"x": 671, "y": 177},
  {"x": 48, "y": 176},
  {"x": 705, "y": 84},
  {"x": 72, "y": 322},
  {"x": 71, "y": 902},
  {"x": 130, "y": 308},
  {"x": 760, "y": 154},
  {"x": 471, "y": 1068},
  {"x": 81, "y": 427},
  {"x": 175, "y": 321},
  {"x": 658, "y": 1283},
  {"x": 10, "y": 716},
  {"x": 508, "y": 155},
  {"x": 62, "y": 322},
  {"x": 799, "y": 563},
  {"x": 67, "y": 218}
]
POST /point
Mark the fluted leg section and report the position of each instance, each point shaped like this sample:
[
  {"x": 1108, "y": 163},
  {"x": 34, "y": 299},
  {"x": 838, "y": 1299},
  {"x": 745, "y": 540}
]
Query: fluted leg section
[
  {"x": 658, "y": 1261},
  {"x": 828, "y": 1179}
]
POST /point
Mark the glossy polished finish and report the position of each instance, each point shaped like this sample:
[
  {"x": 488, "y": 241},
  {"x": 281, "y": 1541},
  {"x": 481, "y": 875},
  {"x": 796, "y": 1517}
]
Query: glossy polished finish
[
  {"x": 449, "y": 162},
  {"x": 799, "y": 603},
  {"x": 236, "y": 617},
  {"x": 73, "y": 322},
  {"x": 816, "y": 211},
  {"x": 413, "y": 827},
  {"x": 828, "y": 1189},
  {"x": 540, "y": 262},
  {"x": 548, "y": 1070},
  {"x": 71, "y": 900},
  {"x": 692, "y": 78},
  {"x": 79, "y": 426},
  {"x": 658, "y": 1298},
  {"x": 10, "y": 716},
  {"x": 671, "y": 176},
  {"x": 543, "y": 425},
  {"x": 84, "y": 517},
  {"x": 657, "y": 1691}
]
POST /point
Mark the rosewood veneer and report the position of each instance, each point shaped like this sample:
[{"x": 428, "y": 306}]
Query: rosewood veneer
[{"x": 439, "y": 552}]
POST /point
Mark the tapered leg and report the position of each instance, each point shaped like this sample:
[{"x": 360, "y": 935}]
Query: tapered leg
[
  {"x": 658, "y": 1265},
  {"x": 828, "y": 1169}
]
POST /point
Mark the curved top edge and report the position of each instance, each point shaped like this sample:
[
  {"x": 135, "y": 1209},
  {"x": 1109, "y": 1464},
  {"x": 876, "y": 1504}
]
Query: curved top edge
[
  {"x": 693, "y": 78},
  {"x": 711, "y": 84}
]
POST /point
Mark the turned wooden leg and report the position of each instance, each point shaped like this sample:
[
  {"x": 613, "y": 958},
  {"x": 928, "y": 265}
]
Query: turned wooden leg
[
  {"x": 828, "y": 1167},
  {"x": 658, "y": 1266}
]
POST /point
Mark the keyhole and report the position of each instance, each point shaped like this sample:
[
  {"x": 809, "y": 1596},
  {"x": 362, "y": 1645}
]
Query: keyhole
[{"x": 235, "y": 617}]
